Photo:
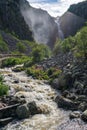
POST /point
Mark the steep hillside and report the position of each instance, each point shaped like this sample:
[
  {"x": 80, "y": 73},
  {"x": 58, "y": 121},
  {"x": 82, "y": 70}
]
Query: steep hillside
[
  {"x": 11, "y": 44},
  {"x": 70, "y": 23},
  {"x": 43, "y": 26},
  {"x": 12, "y": 21},
  {"x": 79, "y": 9}
]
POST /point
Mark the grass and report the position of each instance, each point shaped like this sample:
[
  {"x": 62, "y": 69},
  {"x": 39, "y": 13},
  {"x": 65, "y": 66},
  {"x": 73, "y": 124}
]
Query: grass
[{"x": 3, "y": 88}]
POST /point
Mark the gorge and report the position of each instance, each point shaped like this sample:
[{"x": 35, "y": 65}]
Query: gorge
[{"x": 43, "y": 67}]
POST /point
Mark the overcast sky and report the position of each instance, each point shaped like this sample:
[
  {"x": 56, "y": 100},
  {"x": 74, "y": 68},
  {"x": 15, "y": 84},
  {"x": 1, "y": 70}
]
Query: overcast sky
[{"x": 54, "y": 7}]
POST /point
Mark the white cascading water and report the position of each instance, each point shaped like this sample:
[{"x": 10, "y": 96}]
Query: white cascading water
[
  {"x": 60, "y": 32},
  {"x": 42, "y": 94}
]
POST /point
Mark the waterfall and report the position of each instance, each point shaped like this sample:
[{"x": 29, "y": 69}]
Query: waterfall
[{"x": 60, "y": 32}]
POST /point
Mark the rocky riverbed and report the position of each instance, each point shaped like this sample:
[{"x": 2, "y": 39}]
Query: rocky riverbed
[
  {"x": 42, "y": 96},
  {"x": 34, "y": 91}
]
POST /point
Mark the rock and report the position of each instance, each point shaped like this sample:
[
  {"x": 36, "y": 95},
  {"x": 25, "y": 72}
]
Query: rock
[
  {"x": 65, "y": 103},
  {"x": 79, "y": 87},
  {"x": 32, "y": 106},
  {"x": 55, "y": 84},
  {"x": 18, "y": 69},
  {"x": 84, "y": 115},
  {"x": 65, "y": 93},
  {"x": 16, "y": 81},
  {"x": 75, "y": 114},
  {"x": 82, "y": 107},
  {"x": 22, "y": 111}
]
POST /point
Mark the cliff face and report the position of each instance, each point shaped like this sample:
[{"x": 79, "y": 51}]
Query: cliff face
[
  {"x": 70, "y": 23},
  {"x": 73, "y": 19},
  {"x": 79, "y": 9},
  {"x": 43, "y": 26},
  {"x": 12, "y": 21}
]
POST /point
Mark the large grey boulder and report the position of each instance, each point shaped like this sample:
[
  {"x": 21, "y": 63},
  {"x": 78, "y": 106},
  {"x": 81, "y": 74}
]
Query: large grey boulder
[
  {"x": 84, "y": 115},
  {"x": 65, "y": 103},
  {"x": 22, "y": 111},
  {"x": 33, "y": 108}
]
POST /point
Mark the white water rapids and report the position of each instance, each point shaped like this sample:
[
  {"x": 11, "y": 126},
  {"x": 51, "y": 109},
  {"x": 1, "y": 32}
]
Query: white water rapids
[{"x": 42, "y": 94}]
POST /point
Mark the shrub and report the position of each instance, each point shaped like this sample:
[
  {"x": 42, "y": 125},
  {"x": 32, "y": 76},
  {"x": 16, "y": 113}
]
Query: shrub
[
  {"x": 21, "y": 47},
  {"x": 40, "y": 52},
  {"x": 81, "y": 43},
  {"x": 38, "y": 73},
  {"x": 3, "y": 45},
  {"x": 3, "y": 89},
  {"x": 14, "y": 61}
]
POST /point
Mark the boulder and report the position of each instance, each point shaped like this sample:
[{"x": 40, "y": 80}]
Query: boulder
[
  {"x": 65, "y": 103},
  {"x": 33, "y": 108},
  {"x": 22, "y": 111},
  {"x": 82, "y": 106},
  {"x": 75, "y": 114},
  {"x": 84, "y": 115},
  {"x": 79, "y": 87}
]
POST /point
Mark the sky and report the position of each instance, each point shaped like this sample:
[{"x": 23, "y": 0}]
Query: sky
[{"x": 53, "y": 7}]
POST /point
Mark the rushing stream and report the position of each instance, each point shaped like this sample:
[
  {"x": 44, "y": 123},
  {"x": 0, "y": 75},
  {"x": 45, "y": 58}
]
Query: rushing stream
[{"x": 42, "y": 94}]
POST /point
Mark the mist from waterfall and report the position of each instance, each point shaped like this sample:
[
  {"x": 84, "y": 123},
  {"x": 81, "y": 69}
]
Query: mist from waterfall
[{"x": 60, "y": 32}]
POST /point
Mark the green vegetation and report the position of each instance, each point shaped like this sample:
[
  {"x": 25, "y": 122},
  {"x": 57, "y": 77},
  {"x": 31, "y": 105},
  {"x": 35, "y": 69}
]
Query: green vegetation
[
  {"x": 3, "y": 45},
  {"x": 77, "y": 44},
  {"x": 3, "y": 88},
  {"x": 40, "y": 52},
  {"x": 38, "y": 72},
  {"x": 14, "y": 61},
  {"x": 79, "y": 9},
  {"x": 21, "y": 47}
]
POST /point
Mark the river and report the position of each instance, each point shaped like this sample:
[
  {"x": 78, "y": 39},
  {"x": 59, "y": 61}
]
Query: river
[{"x": 42, "y": 94}]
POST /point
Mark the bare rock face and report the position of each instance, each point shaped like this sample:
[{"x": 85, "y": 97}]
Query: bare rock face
[
  {"x": 70, "y": 23},
  {"x": 41, "y": 23}
]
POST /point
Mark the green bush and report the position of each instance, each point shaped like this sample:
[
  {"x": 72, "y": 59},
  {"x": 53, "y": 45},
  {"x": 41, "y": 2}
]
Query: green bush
[
  {"x": 38, "y": 72},
  {"x": 3, "y": 89},
  {"x": 21, "y": 47},
  {"x": 14, "y": 61},
  {"x": 40, "y": 52},
  {"x": 81, "y": 43},
  {"x": 3, "y": 45}
]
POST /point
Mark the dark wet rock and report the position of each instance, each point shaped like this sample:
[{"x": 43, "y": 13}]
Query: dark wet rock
[
  {"x": 82, "y": 98},
  {"x": 84, "y": 115},
  {"x": 22, "y": 111},
  {"x": 65, "y": 93},
  {"x": 5, "y": 121},
  {"x": 16, "y": 81},
  {"x": 75, "y": 114},
  {"x": 82, "y": 106},
  {"x": 79, "y": 87},
  {"x": 65, "y": 103},
  {"x": 33, "y": 108},
  {"x": 18, "y": 69}
]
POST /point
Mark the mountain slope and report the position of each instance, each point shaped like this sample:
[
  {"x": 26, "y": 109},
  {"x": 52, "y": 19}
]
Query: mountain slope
[
  {"x": 79, "y": 9},
  {"x": 74, "y": 19},
  {"x": 12, "y": 21},
  {"x": 43, "y": 26}
]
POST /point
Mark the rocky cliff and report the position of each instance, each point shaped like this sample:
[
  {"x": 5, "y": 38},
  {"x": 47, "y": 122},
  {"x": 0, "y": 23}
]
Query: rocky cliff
[
  {"x": 43, "y": 26},
  {"x": 79, "y": 9},
  {"x": 12, "y": 21},
  {"x": 70, "y": 23},
  {"x": 73, "y": 19}
]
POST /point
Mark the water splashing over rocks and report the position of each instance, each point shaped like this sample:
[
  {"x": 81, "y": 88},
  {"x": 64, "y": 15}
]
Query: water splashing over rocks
[{"x": 42, "y": 94}]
